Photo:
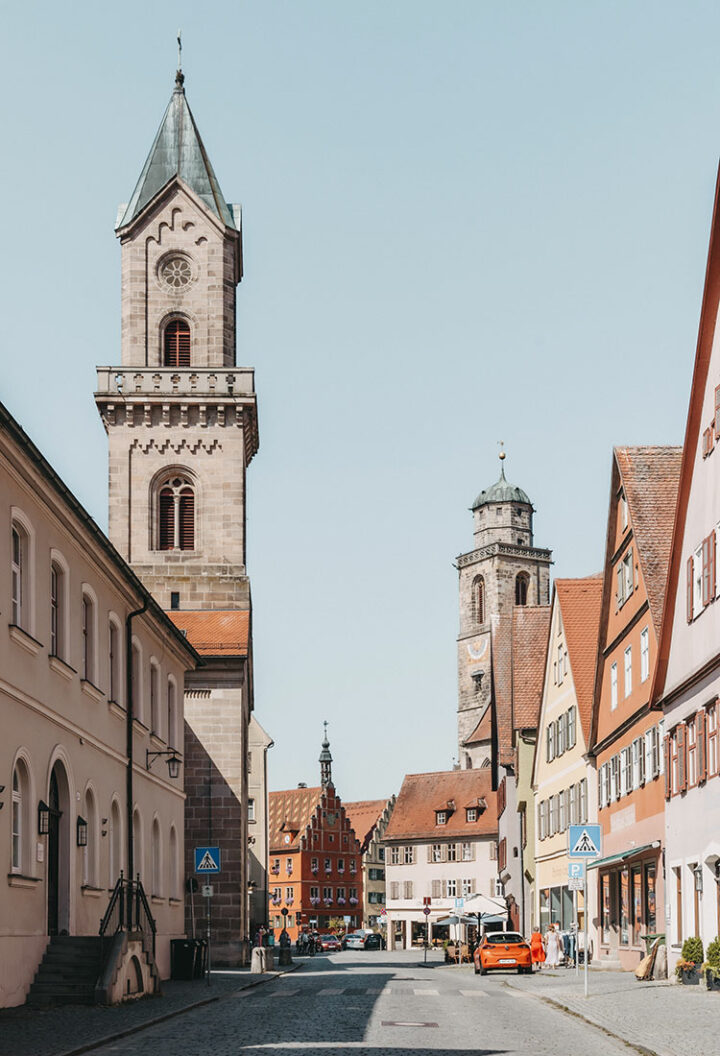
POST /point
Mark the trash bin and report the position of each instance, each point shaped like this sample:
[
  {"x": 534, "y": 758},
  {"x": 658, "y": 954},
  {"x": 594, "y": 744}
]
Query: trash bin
[{"x": 183, "y": 954}]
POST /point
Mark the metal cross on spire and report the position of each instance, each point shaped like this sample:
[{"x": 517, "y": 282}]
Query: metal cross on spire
[{"x": 179, "y": 42}]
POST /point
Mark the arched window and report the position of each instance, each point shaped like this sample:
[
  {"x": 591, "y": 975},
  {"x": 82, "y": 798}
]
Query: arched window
[
  {"x": 137, "y": 682},
  {"x": 156, "y": 884},
  {"x": 89, "y": 637},
  {"x": 115, "y": 863},
  {"x": 479, "y": 599},
  {"x": 174, "y": 871},
  {"x": 521, "y": 588},
  {"x": 176, "y": 515},
  {"x": 114, "y": 660},
  {"x": 154, "y": 698},
  {"x": 19, "y": 836},
  {"x": 90, "y": 848},
  {"x": 172, "y": 734},
  {"x": 139, "y": 850},
  {"x": 176, "y": 344}
]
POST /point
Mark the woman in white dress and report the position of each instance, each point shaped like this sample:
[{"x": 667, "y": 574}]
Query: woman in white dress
[{"x": 553, "y": 948}]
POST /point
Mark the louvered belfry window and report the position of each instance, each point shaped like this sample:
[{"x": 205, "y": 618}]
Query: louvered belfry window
[
  {"x": 177, "y": 344},
  {"x": 176, "y": 515}
]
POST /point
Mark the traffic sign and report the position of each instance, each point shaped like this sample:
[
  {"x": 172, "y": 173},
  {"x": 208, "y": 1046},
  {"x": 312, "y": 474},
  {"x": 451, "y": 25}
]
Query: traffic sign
[
  {"x": 576, "y": 883},
  {"x": 426, "y": 900},
  {"x": 207, "y": 859},
  {"x": 459, "y": 903},
  {"x": 576, "y": 871},
  {"x": 207, "y": 891},
  {"x": 426, "y": 910},
  {"x": 585, "y": 841}
]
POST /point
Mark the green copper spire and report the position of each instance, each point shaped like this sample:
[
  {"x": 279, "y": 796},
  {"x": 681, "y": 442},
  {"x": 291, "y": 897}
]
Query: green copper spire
[{"x": 178, "y": 151}]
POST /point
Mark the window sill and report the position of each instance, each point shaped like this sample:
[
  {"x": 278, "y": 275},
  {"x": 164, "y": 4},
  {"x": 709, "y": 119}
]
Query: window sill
[
  {"x": 32, "y": 645},
  {"x": 91, "y": 690},
  {"x": 88, "y": 891},
  {"x": 62, "y": 668},
  {"x": 117, "y": 709},
  {"x": 140, "y": 727},
  {"x": 20, "y": 880},
  {"x": 175, "y": 902},
  {"x": 156, "y": 740},
  {"x": 158, "y": 900}
]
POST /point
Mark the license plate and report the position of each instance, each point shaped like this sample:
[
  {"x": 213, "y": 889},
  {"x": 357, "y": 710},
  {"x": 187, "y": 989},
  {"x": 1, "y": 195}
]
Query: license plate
[{"x": 507, "y": 960}]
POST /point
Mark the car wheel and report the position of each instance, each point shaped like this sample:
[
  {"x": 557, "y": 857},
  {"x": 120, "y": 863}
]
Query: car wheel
[
  {"x": 483, "y": 970},
  {"x": 477, "y": 970}
]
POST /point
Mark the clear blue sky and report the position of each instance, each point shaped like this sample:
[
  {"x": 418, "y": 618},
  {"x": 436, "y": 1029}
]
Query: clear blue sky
[{"x": 464, "y": 222}]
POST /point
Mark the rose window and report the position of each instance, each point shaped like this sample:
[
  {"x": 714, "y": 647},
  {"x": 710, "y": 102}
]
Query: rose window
[{"x": 176, "y": 272}]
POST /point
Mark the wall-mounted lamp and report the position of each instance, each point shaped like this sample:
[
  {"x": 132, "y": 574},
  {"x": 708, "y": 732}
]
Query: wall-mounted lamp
[
  {"x": 43, "y": 818},
  {"x": 173, "y": 761},
  {"x": 698, "y": 879},
  {"x": 82, "y": 832}
]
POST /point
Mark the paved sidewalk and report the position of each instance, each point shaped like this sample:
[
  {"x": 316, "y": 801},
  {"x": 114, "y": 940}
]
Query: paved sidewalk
[
  {"x": 663, "y": 1018},
  {"x": 75, "y": 1028}
]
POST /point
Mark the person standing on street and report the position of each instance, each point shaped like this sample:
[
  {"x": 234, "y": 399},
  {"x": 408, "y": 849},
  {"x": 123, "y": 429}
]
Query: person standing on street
[
  {"x": 537, "y": 948},
  {"x": 553, "y": 947}
]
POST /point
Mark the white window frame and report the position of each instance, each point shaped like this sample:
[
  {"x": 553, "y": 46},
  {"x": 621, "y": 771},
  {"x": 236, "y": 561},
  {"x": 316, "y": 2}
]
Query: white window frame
[
  {"x": 644, "y": 654},
  {"x": 22, "y": 610},
  {"x": 613, "y": 686},
  {"x": 627, "y": 671},
  {"x": 89, "y": 626},
  {"x": 251, "y": 809},
  {"x": 697, "y": 581}
]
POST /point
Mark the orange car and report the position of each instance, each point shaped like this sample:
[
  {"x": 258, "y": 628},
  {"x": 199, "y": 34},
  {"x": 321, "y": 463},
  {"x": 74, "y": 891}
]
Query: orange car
[{"x": 503, "y": 950}]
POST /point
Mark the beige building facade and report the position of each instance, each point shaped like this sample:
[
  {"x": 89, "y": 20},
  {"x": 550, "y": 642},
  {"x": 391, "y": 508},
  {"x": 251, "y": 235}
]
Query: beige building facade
[
  {"x": 369, "y": 819},
  {"x": 79, "y": 807}
]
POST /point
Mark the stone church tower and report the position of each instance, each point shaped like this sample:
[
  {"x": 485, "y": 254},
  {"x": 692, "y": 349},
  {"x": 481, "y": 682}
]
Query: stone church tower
[
  {"x": 181, "y": 419},
  {"x": 502, "y": 571}
]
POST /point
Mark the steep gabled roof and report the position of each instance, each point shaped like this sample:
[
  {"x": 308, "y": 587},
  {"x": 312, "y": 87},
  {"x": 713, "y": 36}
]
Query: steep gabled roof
[
  {"x": 501, "y": 641},
  {"x": 693, "y": 427},
  {"x": 364, "y": 816},
  {"x": 215, "y": 633},
  {"x": 650, "y": 477},
  {"x": 580, "y": 602},
  {"x": 483, "y": 730},
  {"x": 290, "y": 813},
  {"x": 178, "y": 151},
  {"x": 531, "y": 626},
  {"x": 422, "y": 795}
]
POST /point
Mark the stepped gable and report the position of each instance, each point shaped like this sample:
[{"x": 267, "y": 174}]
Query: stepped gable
[
  {"x": 220, "y": 633},
  {"x": 531, "y": 627},
  {"x": 650, "y": 477},
  {"x": 363, "y": 817},
  {"x": 580, "y": 602},
  {"x": 290, "y": 812},
  {"x": 422, "y": 795}
]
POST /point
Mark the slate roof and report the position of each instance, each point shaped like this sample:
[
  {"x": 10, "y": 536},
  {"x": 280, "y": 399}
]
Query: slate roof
[
  {"x": 178, "y": 150},
  {"x": 364, "y": 816},
  {"x": 530, "y": 630},
  {"x": 221, "y": 633},
  {"x": 422, "y": 794},
  {"x": 580, "y": 602},
  {"x": 501, "y": 491},
  {"x": 290, "y": 812},
  {"x": 650, "y": 478}
]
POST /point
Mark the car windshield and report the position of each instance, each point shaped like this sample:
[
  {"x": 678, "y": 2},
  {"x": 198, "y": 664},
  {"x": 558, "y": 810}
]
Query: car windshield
[
  {"x": 326, "y": 938},
  {"x": 504, "y": 937}
]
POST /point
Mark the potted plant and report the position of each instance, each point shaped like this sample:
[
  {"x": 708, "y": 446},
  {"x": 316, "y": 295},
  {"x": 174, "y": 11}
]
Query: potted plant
[
  {"x": 711, "y": 967},
  {"x": 691, "y": 958}
]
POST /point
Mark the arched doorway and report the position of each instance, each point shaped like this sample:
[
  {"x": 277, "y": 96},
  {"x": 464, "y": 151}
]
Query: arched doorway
[{"x": 58, "y": 853}]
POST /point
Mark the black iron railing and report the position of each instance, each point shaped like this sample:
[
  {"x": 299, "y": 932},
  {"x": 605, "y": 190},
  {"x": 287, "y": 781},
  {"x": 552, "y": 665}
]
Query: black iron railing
[{"x": 128, "y": 910}]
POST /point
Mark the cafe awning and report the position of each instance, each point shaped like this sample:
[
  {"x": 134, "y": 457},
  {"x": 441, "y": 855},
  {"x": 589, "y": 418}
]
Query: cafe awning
[{"x": 623, "y": 856}]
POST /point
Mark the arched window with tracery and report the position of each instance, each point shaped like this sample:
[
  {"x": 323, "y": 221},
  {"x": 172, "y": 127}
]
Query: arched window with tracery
[
  {"x": 176, "y": 344},
  {"x": 176, "y": 515},
  {"x": 522, "y": 581},
  {"x": 479, "y": 599}
]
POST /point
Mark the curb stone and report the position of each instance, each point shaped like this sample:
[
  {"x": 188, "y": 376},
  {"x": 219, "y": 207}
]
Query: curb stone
[
  {"x": 642, "y": 1049},
  {"x": 89, "y": 1046}
]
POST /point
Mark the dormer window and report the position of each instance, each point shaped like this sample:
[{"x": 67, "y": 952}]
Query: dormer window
[
  {"x": 471, "y": 813},
  {"x": 441, "y": 817},
  {"x": 176, "y": 344}
]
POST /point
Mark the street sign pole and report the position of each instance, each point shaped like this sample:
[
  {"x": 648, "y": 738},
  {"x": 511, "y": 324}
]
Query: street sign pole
[
  {"x": 585, "y": 842},
  {"x": 576, "y": 899},
  {"x": 585, "y": 931}
]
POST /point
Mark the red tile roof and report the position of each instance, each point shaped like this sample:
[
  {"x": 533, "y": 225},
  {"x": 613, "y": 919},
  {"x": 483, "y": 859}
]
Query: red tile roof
[
  {"x": 529, "y": 648},
  {"x": 501, "y": 640},
  {"x": 221, "y": 633},
  {"x": 422, "y": 794},
  {"x": 483, "y": 730},
  {"x": 580, "y": 602},
  {"x": 364, "y": 816},
  {"x": 289, "y": 813},
  {"x": 650, "y": 477}
]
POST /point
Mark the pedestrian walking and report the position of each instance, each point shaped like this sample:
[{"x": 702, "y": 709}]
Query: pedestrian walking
[
  {"x": 537, "y": 948},
  {"x": 554, "y": 952}
]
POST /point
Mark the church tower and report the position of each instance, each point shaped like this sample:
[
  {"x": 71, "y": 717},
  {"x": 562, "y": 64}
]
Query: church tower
[
  {"x": 504, "y": 570},
  {"x": 181, "y": 419}
]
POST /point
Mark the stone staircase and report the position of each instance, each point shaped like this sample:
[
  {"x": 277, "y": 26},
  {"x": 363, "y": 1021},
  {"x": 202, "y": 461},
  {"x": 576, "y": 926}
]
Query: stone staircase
[{"x": 68, "y": 973}]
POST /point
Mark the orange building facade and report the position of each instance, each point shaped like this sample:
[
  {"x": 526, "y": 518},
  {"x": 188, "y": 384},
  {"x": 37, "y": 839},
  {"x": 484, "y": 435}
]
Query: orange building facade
[
  {"x": 315, "y": 861},
  {"x": 627, "y": 734}
]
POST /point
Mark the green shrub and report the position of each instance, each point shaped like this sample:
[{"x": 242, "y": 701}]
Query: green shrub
[
  {"x": 712, "y": 955},
  {"x": 692, "y": 950}
]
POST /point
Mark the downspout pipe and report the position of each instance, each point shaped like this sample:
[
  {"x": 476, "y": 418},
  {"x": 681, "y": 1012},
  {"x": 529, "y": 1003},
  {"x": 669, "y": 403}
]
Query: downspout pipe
[{"x": 129, "y": 716}]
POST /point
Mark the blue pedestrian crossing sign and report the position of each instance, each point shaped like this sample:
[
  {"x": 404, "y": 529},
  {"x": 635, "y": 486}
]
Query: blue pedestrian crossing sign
[
  {"x": 585, "y": 841},
  {"x": 576, "y": 870},
  {"x": 207, "y": 859}
]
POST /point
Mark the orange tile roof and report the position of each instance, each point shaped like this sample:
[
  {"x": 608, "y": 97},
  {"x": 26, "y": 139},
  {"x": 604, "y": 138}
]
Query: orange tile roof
[
  {"x": 364, "y": 816},
  {"x": 221, "y": 633},
  {"x": 580, "y": 602},
  {"x": 531, "y": 626},
  {"x": 422, "y": 794},
  {"x": 290, "y": 813},
  {"x": 650, "y": 477},
  {"x": 501, "y": 640},
  {"x": 483, "y": 730}
]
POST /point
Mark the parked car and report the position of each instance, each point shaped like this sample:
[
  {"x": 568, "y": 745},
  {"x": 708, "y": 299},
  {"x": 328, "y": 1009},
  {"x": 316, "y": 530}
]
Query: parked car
[
  {"x": 503, "y": 951},
  {"x": 373, "y": 941},
  {"x": 329, "y": 942},
  {"x": 364, "y": 940}
]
